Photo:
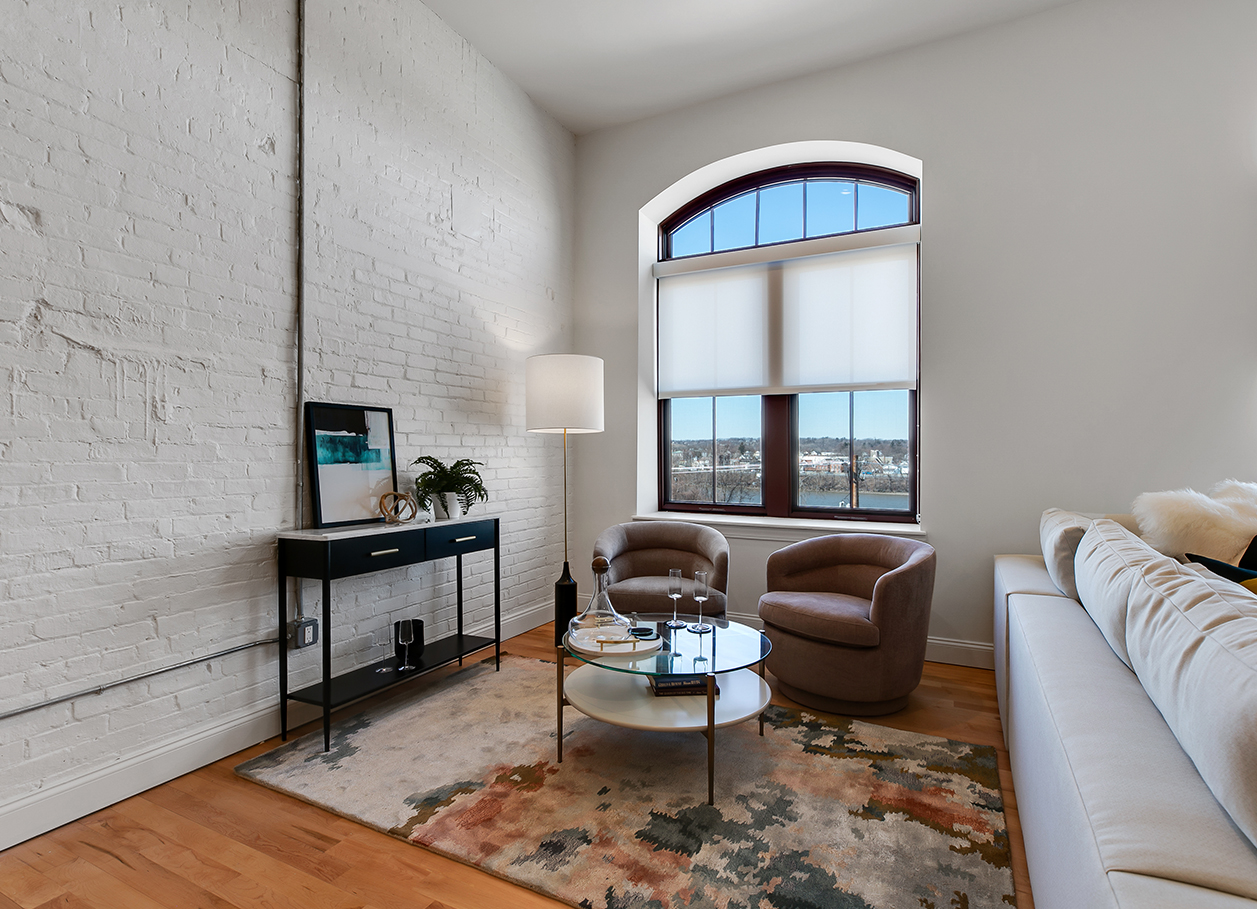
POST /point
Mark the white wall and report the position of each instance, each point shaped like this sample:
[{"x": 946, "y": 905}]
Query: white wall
[
  {"x": 1088, "y": 284},
  {"x": 147, "y": 343}
]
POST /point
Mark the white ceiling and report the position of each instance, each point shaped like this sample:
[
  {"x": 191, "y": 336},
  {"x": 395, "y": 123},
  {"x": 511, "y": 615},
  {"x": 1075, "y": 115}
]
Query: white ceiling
[{"x": 595, "y": 63}]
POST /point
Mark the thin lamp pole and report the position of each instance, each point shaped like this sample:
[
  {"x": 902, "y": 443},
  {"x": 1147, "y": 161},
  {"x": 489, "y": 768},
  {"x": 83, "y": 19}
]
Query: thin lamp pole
[{"x": 564, "y": 493}]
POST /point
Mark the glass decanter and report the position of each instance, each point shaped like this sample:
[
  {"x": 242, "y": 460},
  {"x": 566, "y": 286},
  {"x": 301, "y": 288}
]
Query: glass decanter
[{"x": 599, "y": 624}]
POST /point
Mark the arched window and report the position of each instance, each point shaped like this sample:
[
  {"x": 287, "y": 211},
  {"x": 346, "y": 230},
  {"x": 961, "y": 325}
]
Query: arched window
[{"x": 787, "y": 345}]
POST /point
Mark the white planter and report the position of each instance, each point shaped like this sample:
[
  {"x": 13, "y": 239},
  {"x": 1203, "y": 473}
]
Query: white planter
[{"x": 446, "y": 506}]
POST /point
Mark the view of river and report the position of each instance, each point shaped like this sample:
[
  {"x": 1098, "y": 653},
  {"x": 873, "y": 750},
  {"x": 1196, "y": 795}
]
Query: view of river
[
  {"x": 891, "y": 501},
  {"x": 896, "y": 501}
]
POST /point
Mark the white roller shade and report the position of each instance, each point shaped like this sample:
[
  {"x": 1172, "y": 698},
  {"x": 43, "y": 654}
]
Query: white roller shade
[
  {"x": 713, "y": 329},
  {"x": 850, "y": 318},
  {"x": 839, "y": 320}
]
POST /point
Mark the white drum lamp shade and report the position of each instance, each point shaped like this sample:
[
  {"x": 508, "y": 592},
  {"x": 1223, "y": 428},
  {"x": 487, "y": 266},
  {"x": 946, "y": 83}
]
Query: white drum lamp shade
[{"x": 563, "y": 393}]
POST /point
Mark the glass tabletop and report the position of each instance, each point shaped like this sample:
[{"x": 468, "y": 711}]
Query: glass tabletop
[{"x": 731, "y": 646}]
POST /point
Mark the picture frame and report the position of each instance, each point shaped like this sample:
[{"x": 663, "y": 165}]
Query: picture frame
[{"x": 353, "y": 461}]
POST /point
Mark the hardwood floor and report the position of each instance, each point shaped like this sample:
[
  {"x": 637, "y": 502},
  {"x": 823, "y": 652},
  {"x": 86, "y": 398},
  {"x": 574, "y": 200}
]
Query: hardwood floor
[{"x": 210, "y": 839}]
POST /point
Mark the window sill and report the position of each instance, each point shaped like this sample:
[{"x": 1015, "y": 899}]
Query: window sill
[{"x": 758, "y": 527}]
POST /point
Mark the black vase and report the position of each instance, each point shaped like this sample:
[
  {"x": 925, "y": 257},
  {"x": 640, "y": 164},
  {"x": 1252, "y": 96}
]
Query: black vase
[{"x": 564, "y": 604}]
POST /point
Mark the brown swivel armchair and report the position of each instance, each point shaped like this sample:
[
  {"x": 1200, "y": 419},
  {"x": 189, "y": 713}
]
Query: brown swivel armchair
[
  {"x": 642, "y": 552},
  {"x": 848, "y": 617}
]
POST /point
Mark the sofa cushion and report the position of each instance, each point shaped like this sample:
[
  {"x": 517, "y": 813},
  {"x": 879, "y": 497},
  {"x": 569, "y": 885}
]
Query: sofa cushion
[
  {"x": 1192, "y": 641},
  {"x": 1108, "y": 562},
  {"x": 1060, "y": 532},
  {"x": 1102, "y": 784}
]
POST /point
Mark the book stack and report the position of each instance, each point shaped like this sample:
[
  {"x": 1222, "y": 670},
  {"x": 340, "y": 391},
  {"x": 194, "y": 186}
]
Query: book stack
[{"x": 674, "y": 685}]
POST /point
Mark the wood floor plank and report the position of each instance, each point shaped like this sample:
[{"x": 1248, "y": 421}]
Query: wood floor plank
[
  {"x": 311, "y": 891},
  {"x": 41, "y": 853},
  {"x": 69, "y": 901},
  {"x": 89, "y": 883},
  {"x": 103, "y": 842},
  {"x": 25, "y": 886},
  {"x": 233, "y": 816},
  {"x": 214, "y": 840},
  {"x": 395, "y": 872}
]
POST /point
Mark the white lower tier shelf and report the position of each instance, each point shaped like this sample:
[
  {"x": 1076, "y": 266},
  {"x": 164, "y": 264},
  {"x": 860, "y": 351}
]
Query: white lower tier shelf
[{"x": 625, "y": 699}]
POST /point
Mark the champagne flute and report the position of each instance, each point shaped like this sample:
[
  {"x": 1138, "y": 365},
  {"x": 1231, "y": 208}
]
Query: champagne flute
[
  {"x": 388, "y": 644},
  {"x": 700, "y": 595},
  {"x": 405, "y": 637},
  {"x": 674, "y": 593}
]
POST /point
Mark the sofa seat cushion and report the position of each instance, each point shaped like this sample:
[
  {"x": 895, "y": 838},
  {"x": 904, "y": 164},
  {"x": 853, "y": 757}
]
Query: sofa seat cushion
[
  {"x": 834, "y": 618},
  {"x": 1014, "y": 574},
  {"x": 1144, "y": 891},
  {"x": 1101, "y": 781}
]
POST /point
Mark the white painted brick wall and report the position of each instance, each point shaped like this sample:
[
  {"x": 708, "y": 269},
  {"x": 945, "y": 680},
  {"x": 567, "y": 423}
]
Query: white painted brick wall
[{"x": 147, "y": 339}]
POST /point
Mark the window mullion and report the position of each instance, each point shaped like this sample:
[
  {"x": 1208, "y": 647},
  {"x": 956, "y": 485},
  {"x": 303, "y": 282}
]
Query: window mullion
[{"x": 776, "y": 447}]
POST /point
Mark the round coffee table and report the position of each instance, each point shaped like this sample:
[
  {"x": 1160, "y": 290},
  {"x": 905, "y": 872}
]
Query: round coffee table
[{"x": 616, "y": 688}]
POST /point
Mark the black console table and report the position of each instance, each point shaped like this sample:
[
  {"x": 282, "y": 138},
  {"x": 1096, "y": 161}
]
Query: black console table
[{"x": 328, "y": 555}]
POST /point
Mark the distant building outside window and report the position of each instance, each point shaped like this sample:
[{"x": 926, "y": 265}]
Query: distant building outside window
[{"x": 788, "y": 345}]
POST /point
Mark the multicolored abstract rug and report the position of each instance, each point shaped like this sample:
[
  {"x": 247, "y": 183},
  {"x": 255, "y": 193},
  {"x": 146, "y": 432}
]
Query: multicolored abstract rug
[{"x": 819, "y": 812}]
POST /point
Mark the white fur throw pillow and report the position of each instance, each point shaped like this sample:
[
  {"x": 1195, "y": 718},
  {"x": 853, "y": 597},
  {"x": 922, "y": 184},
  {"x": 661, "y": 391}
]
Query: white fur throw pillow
[{"x": 1219, "y": 525}]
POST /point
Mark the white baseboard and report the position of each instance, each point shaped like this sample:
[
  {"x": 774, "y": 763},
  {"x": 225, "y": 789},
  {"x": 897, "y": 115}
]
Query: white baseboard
[
  {"x": 937, "y": 650},
  {"x": 49, "y": 808},
  {"x": 960, "y": 653}
]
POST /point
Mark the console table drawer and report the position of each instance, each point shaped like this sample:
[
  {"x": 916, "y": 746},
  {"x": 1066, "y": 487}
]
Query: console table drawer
[
  {"x": 360, "y": 555},
  {"x": 459, "y": 538}
]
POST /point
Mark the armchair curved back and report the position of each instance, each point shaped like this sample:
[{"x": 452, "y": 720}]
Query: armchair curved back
[{"x": 650, "y": 548}]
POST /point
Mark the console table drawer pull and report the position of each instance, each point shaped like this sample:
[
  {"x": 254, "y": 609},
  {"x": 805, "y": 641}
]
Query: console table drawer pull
[
  {"x": 384, "y": 552},
  {"x": 464, "y": 539}
]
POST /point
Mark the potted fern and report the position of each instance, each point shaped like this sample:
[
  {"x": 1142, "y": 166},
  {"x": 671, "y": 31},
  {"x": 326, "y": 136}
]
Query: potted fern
[{"x": 451, "y": 489}]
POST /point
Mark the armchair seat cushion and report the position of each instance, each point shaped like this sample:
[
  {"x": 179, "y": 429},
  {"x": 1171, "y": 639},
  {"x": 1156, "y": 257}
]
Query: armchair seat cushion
[
  {"x": 650, "y": 594},
  {"x": 835, "y": 618}
]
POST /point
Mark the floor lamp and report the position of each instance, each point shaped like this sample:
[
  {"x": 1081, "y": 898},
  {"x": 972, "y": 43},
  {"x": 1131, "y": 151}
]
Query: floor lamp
[{"x": 563, "y": 394}]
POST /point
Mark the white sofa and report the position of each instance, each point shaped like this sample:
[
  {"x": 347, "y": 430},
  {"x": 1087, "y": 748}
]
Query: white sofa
[{"x": 1114, "y": 805}]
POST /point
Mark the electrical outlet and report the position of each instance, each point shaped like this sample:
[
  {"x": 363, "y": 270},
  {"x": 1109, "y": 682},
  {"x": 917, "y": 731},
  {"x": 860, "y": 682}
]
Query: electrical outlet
[{"x": 305, "y": 632}]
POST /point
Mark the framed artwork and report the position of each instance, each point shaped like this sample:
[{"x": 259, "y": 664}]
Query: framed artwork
[{"x": 352, "y": 462}]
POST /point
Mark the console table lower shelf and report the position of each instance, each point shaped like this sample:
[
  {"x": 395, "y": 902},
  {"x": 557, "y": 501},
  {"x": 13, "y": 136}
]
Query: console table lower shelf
[
  {"x": 365, "y": 680},
  {"x": 625, "y": 699}
]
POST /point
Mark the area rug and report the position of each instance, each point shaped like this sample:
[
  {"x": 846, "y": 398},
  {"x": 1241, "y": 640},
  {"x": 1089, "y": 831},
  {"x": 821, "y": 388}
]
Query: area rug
[{"x": 818, "y": 812}]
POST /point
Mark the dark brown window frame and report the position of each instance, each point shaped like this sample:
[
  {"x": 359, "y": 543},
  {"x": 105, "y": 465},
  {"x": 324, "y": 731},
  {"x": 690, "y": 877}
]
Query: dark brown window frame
[{"x": 779, "y": 456}]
